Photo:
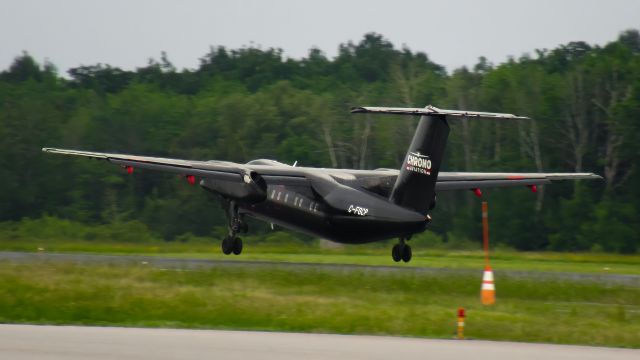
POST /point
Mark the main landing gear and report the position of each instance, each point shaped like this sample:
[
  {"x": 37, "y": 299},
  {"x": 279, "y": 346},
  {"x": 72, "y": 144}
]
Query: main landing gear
[
  {"x": 401, "y": 251},
  {"x": 232, "y": 243}
]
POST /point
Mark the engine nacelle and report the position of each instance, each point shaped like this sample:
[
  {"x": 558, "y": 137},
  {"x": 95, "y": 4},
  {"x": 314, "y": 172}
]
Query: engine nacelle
[{"x": 248, "y": 187}]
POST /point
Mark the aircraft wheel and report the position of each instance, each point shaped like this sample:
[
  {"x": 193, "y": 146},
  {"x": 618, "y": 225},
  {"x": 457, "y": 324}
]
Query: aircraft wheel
[
  {"x": 227, "y": 245},
  {"x": 395, "y": 253},
  {"x": 406, "y": 253},
  {"x": 237, "y": 246}
]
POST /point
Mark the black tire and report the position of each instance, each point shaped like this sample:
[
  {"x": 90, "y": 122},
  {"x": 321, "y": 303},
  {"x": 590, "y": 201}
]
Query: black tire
[
  {"x": 395, "y": 253},
  {"x": 227, "y": 245},
  {"x": 237, "y": 246},
  {"x": 406, "y": 253}
]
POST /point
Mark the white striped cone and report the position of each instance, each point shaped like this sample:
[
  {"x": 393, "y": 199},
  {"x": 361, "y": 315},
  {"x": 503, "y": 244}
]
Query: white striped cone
[{"x": 488, "y": 290}]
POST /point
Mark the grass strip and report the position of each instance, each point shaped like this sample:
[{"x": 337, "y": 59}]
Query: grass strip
[
  {"x": 370, "y": 254},
  {"x": 319, "y": 300}
]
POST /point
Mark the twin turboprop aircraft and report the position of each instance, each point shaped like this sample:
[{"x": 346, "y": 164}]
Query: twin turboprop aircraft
[{"x": 343, "y": 205}]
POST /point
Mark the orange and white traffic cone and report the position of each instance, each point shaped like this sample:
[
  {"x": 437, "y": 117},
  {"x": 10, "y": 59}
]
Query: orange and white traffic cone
[{"x": 488, "y": 292}]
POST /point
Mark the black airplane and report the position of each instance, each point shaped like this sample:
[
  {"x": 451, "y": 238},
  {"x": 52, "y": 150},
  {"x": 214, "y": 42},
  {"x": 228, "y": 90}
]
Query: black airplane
[{"x": 342, "y": 205}]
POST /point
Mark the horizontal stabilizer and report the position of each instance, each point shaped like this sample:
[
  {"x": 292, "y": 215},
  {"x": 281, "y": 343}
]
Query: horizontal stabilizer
[{"x": 432, "y": 110}]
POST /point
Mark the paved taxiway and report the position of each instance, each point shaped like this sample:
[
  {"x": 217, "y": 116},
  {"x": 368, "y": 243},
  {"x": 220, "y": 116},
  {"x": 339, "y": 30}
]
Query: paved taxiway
[
  {"x": 199, "y": 264},
  {"x": 27, "y": 342}
]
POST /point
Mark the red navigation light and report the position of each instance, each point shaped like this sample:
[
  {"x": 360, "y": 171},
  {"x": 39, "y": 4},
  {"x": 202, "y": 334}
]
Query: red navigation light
[
  {"x": 533, "y": 188},
  {"x": 191, "y": 179},
  {"x": 129, "y": 169},
  {"x": 477, "y": 192},
  {"x": 461, "y": 312}
]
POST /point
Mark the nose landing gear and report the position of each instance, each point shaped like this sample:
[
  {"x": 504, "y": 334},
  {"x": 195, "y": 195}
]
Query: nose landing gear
[{"x": 401, "y": 251}]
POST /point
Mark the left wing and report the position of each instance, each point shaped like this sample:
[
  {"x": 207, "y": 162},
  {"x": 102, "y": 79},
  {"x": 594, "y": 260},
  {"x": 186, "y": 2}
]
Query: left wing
[{"x": 211, "y": 169}]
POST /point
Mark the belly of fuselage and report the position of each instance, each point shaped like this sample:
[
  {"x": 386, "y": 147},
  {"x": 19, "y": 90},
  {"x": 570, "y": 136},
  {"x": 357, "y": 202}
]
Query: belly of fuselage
[{"x": 301, "y": 210}]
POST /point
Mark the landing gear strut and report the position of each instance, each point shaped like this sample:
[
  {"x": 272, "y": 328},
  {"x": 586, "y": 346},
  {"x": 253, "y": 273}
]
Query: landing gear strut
[
  {"x": 401, "y": 251},
  {"x": 231, "y": 243}
]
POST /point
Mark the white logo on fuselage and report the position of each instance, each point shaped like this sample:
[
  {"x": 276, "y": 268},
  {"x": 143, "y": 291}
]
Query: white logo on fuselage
[{"x": 419, "y": 163}]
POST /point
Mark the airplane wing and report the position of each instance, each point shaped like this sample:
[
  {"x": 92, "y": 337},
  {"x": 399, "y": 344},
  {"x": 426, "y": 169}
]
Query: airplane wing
[
  {"x": 383, "y": 180},
  {"x": 473, "y": 180},
  {"x": 190, "y": 169},
  {"x": 210, "y": 169}
]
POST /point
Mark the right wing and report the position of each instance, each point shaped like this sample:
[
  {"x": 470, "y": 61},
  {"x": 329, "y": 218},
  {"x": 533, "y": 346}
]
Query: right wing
[
  {"x": 382, "y": 181},
  {"x": 473, "y": 180}
]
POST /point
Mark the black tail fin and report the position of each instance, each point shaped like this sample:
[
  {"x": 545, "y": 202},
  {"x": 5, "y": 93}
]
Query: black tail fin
[
  {"x": 416, "y": 183},
  {"x": 415, "y": 187}
]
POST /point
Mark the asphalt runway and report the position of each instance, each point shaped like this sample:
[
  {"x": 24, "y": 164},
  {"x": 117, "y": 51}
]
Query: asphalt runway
[
  {"x": 28, "y": 342},
  {"x": 200, "y": 264}
]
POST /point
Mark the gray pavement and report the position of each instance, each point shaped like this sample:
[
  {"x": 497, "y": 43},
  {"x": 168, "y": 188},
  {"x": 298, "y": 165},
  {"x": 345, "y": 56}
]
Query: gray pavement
[
  {"x": 195, "y": 264},
  {"x": 28, "y": 342}
]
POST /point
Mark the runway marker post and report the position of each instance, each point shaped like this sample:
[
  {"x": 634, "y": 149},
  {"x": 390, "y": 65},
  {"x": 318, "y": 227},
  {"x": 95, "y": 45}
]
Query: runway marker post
[
  {"x": 460, "y": 323},
  {"x": 488, "y": 289}
]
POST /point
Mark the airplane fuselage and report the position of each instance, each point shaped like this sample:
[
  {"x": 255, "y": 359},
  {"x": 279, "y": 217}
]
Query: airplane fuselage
[{"x": 359, "y": 218}]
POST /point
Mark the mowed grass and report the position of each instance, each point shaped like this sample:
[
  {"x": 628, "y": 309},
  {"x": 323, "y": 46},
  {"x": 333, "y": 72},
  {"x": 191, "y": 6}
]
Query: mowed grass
[
  {"x": 370, "y": 254},
  {"x": 347, "y": 301}
]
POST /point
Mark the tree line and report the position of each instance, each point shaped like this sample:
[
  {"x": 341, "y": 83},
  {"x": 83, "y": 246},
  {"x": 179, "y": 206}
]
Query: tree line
[{"x": 247, "y": 103}]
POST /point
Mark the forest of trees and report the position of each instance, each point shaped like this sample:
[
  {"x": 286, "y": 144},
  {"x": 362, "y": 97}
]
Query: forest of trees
[{"x": 242, "y": 104}]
